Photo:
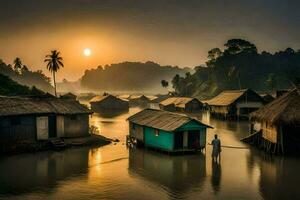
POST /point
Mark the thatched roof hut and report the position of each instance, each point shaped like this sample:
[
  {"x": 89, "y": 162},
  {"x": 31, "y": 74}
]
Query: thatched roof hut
[
  {"x": 181, "y": 104},
  {"x": 280, "y": 123},
  {"x": 235, "y": 103},
  {"x": 285, "y": 109},
  {"x": 108, "y": 103}
]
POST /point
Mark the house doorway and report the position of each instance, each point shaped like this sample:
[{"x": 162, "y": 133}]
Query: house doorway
[
  {"x": 52, "y": 126},
  {"x": 178, "y": 140},
  {"x": 193, "y": 139}
]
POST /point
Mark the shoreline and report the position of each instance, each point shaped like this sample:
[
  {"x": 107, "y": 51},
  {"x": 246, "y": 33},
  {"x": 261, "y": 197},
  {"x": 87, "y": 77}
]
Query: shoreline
[{"x": 13, "y": 148}]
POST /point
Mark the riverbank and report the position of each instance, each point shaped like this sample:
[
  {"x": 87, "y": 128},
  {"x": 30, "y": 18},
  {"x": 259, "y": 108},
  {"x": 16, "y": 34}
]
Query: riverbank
[{"x": 36, "y": 146}]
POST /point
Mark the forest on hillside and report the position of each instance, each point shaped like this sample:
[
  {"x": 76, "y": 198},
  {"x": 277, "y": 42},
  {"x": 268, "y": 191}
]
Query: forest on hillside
[
  {"x": 24, "y": 76},
  {"x": 130, "y": 76},
  {"x": 9, "y": 87},
  {"x": 240, "y": 65}
]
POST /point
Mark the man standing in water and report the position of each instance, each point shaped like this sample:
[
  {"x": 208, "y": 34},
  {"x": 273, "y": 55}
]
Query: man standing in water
[{"x": 216, "y": 143}]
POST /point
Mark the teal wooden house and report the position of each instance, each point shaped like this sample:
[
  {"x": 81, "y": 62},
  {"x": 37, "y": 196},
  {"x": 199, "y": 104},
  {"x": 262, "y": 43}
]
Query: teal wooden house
[{"x": 167, "y": 131}]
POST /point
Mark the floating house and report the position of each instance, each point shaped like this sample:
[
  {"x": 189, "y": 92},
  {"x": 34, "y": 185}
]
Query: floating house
[
  {"x": 167, "y": 131},
  {"x": 138, "y": 100},
  {"x": 235, "y": 103},
  {"x": 41, "y": 118},
  {"x": 184, "y": 104},
  {"x": 108, "y": 103},
  {"x": 279, "y": 123}
]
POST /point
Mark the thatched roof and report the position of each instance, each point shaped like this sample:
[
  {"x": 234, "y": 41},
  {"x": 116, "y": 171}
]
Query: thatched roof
[
  {"x": 177, "y": 101},
  {"x": 163, "y": 120},
  {"x": 283, "y": 110},
  {"x": 10, "y": 106},
  {"x": 227, "y": 97},
  {"x": 101, "y": 98}
]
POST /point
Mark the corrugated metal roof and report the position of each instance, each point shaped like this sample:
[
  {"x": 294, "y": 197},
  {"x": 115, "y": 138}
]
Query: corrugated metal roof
[
  {"x": 225, "y": 98},
  {"x": 177, "y": 101},
  {"x": 23, "y": 106},
  {"x": 162, "y": 119}
]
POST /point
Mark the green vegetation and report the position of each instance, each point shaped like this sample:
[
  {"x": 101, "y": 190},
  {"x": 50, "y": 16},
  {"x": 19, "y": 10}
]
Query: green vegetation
[
  {"x": 9, "y": 87},
  {"x": 54, "y": 63},
  {"x": 22, "y": 75},
  {"x": 126, "y": 76},
  {"x": 238, "y": 66}
]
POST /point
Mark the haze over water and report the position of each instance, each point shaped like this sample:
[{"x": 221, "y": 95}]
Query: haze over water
[{"x": 115, "y": 172}]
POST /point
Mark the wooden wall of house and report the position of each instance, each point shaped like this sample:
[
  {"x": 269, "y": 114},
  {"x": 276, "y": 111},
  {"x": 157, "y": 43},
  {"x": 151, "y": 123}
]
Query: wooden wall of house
[
  {"x": 269, "y": 132},
  {"x": 136, "y": 131},
  {"x": 159, "y": 139},
  {"x": 76, "y": 125},
  {"x": 17, "y": 128},
  {"x": 219, "y": 109},
  {"x": 170, "y": 107}
]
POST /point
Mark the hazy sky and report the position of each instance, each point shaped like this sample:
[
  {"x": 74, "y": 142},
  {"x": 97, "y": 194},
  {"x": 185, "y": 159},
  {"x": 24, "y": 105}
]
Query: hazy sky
[{"x": 173, "y": 32}]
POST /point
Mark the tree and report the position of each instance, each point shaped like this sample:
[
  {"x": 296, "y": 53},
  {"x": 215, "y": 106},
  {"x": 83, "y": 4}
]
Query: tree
[
  {"x": 175, "y": 82},
  {"x": 18, "y": 65},
  {"x": 54, "y": 63},
  {"x": 235, "y": 46},
  {"x": 214, "y": 53},
  {"x": 164, "y": 83}
]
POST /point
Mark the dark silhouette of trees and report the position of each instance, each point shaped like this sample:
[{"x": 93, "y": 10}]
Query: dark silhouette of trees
[
  {"x": 240, "y": 66},
  {"x": 18, "y": 65},
  {"x": 129, "y": 76},
  {"x": 164, "y": 83},
  {"x": 27, "y": 77},
  {"x": 54, "y": 63}
]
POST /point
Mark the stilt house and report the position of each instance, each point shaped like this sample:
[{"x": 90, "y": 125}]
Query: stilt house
[{"x": 280, "y": 123}]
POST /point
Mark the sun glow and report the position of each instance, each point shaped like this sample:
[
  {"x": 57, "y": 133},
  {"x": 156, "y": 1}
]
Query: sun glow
[{"x": 87, "y": 52}]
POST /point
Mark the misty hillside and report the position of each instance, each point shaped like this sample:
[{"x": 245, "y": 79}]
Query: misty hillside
[
  {"x": 130, "y": 76},
  {"x": 25, "y": 76},
  {"x": 9, "y": 87}
]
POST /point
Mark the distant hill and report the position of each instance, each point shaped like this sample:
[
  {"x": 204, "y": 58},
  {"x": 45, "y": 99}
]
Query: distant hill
[
  {"x": 25, "y": 76},
  {"x": 130, "y": 76},
  {"x": 9, "y": 87}
]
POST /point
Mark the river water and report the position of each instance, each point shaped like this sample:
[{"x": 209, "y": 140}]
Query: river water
[{"x": 116, "y": 172}]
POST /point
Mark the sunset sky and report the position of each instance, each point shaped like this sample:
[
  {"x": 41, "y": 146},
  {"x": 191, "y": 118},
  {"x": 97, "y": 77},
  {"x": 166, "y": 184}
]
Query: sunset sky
[{"x": 169, "y": 32}]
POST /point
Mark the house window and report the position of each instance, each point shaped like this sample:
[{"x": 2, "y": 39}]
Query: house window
[
  {"x": 133, "y": 126},
  {"x": 156, "y": 132}
]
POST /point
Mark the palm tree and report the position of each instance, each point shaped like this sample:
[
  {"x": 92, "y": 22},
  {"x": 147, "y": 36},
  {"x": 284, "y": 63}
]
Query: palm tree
[
  {"x": 18, "y": 65},
  {"x": 54, "y": 63}
]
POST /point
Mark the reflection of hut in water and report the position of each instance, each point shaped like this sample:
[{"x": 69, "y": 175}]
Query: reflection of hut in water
[
  {"x": 108, "y": 103},
  {"x": 41, "y": 118},
  {"x": 33, "y": 172},
  {"x": 235, "y": 103},
  {"x": 280, "y": 123},
  {"x": 177, "y": 174},
  {"x": 184, "y": 104},
  {"x": 279, "y": 178},
  {"x": 167, "y": 131}
]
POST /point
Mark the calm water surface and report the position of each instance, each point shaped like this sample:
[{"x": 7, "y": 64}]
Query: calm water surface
[{"x": 115, "y": 172}]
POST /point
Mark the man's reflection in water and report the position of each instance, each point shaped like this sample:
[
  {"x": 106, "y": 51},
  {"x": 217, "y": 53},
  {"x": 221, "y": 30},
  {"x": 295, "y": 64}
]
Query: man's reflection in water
[{"x": 216, "y": 175}]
